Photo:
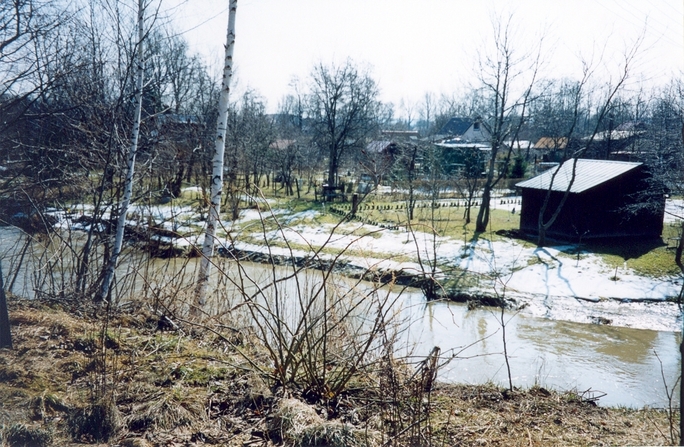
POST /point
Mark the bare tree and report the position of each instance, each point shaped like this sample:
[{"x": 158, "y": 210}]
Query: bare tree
[
  {"x": 34, "y": 61},
  {"x": 573, "y": 153},
  {"x": 288, "y": 154},
  {"x": 435, "y": 181},
  {"x": 217, "y": 168},
  {"x": 508, "y": 77},
  {"x": 471, "y": 177},
  {"x": 406, "y": 172},
  {"x": 427, "y": 113},
  {"x": 28, "y": 28},
  {"x": 130, "y": 160},
  {"x": 343, "y": 108},
  {"x": 251, "y": 133},
  {"x": 408, "y": 109},
  {"x": 662, "y": 149}
]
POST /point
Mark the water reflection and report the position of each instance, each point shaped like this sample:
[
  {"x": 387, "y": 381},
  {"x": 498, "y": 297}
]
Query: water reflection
[
  {"x": 623, "y": 344},
  {"x": 618, "y": 361}
]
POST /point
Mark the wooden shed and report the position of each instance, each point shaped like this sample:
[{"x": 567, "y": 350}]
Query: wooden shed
[{"x": 607, "y": 199}]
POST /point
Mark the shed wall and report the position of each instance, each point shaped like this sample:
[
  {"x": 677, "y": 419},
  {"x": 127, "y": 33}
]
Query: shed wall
[{"x": 595, "y": 213}]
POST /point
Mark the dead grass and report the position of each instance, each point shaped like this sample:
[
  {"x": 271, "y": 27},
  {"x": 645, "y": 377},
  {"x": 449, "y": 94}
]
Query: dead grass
[
  {"x": 174, "y": 388},
  {"x": 537, "y": 417}
]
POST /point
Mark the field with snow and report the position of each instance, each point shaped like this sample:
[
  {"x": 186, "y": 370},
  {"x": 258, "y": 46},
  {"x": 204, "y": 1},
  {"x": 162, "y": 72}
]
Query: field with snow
[
  {"x": 550, "y": 282},
  {"x": 547, "y": 282}
]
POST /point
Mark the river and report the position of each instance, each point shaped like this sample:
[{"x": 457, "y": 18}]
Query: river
[{"x": 589, "y": 358}]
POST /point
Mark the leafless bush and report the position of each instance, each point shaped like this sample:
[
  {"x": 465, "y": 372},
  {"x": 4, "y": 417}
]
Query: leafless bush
[{"x": 319, "y": 330}]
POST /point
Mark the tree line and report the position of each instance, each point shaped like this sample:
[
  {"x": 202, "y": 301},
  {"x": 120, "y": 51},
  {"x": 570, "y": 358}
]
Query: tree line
[{"x": 68, "y": 99}]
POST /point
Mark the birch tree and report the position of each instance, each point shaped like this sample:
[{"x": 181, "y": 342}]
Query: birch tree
[
  {"x": 217, "y": 169},
  {"x": 130, "y": 159}
]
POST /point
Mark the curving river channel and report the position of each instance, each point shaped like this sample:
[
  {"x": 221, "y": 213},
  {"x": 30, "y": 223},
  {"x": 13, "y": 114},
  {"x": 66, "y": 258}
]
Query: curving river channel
[{"x": 625, "y": 366}]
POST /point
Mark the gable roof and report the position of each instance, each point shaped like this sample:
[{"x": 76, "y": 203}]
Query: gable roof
[
  {"x": 588, "y": 174},
  {"x": 551, "y": 143},
  {"x": 378, "y": 146},
  {"x": 456, "y": 126}
]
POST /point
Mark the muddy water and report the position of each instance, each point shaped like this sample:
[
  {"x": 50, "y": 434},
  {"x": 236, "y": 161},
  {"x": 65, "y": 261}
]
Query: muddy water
[
  {"x": 591, "y": 359},
  {"x": 620, "y": 362}
]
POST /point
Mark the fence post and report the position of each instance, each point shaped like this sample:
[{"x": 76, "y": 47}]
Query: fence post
[{"x": 5, "y": 334}]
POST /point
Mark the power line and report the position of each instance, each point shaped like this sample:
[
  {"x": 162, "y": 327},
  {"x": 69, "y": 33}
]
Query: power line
[
  {"x": 180, "y": 33},
  {"x": 642, "y": 21}
]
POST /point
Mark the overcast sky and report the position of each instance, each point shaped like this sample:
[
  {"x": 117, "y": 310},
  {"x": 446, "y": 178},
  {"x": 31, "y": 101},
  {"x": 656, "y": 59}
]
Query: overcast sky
[{"x": 418, "y": 46}]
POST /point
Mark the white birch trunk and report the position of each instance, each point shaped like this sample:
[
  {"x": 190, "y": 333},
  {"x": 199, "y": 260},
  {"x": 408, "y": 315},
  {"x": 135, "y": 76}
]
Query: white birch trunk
[
  {"x": 217, "y": 170},
  {"x": 130, "y": 161}
]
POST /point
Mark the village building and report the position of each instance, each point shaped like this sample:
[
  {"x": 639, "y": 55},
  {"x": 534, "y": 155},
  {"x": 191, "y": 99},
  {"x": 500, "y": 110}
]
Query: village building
[
  {"x": 606, "y": 199},
  {"x": 465, "y": 130}
]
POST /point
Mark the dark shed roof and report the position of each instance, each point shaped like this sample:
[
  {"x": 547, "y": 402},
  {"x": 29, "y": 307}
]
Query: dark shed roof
[
  {"x": 456, "y": 126},
  {"x": 588, "y": 174}
]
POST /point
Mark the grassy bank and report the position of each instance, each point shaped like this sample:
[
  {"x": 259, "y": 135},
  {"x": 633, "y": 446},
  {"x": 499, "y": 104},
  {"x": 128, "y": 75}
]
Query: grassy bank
[{"x": 76, "y": 376}]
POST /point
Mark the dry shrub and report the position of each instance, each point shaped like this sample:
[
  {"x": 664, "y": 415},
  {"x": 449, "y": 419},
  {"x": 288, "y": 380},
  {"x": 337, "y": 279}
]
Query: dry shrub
[
  {"x": 290, "y": 419},
  {"x": 20, "y": 435},
  {"x": 98, "y": 422},
  {"x": 9, "y": 373},
  {"x": 46, "y": 405},
  {"x": 298, "y": 424},
  {"x": 26, "y": 317},
  {"x": 58, "y": 322},
  {"x": 336, "y": 434},
  {"x": 166, "y": 412}
]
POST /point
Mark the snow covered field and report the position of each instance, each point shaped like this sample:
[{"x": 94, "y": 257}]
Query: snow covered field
[{"x": 546, "y": 282}]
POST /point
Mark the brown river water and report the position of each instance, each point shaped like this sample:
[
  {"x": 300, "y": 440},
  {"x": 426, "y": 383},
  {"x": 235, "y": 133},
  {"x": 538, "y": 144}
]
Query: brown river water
[{"x": 623, "y": 365}]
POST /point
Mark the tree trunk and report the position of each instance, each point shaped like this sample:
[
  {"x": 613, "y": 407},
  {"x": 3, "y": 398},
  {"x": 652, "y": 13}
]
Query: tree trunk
[
  {"x": 541, "y": 238},
  {"x": 5, "y": 333},
  {"x": 332, "y": 171},
  {"x": 130, "y": 162},
  {"x": 680, "y": 264},
  {"x": 483, "y": 214},
  {"x": 217, "y": 169},
  {"x": 681, "y": 396}
]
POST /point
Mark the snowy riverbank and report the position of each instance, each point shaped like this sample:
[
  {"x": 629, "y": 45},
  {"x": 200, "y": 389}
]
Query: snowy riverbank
[{"x": 546, "y": 282}]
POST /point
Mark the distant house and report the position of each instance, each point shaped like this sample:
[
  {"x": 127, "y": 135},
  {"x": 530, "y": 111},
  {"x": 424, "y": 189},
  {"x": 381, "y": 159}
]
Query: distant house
[
  {"x": 175, "y": 128},
  {"x": 378, "y": 157},
  {"x": 551, "y": 149},
  {"x": 464, "y": 157},
  {"x": 281, "y": 144},
  {"x": 618, "y": 143},
  {"x": 465, "y": 130},
  {"x": 381, "y": 147},
  {"x": 605, "y": 201},
  {"x": 551, "y": 143}
]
